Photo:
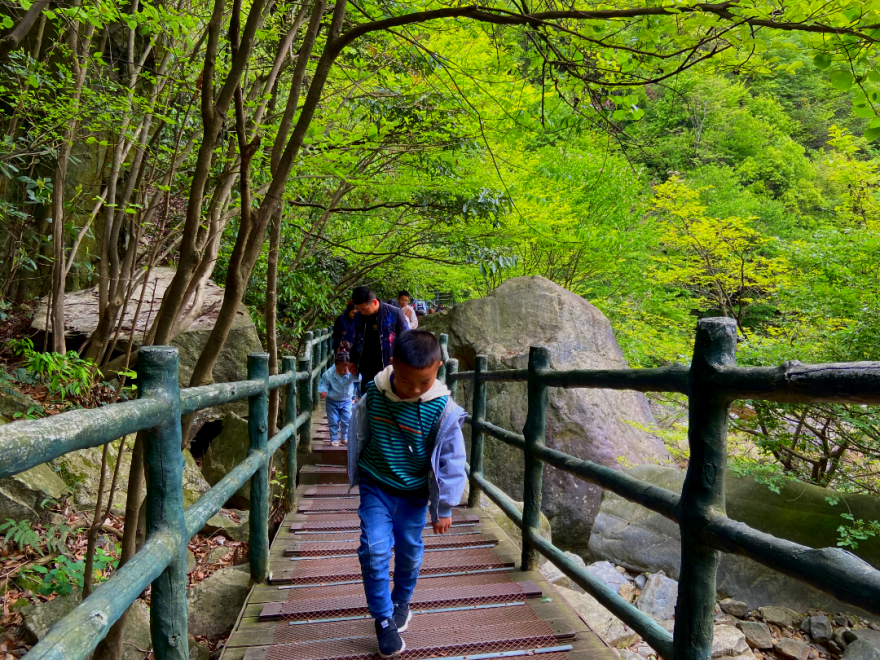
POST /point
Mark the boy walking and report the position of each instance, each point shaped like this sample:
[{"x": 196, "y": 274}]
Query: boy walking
[
  {"x": 407, "y": 453},
  {"x": 337, "y": 386}
]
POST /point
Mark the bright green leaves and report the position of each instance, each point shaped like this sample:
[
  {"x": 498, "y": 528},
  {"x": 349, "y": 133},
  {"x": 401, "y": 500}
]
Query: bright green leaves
[
  {"x": 823, "y": 61},
  {"x": 627, "y": 108},
  {"x": 841, "y": 79}
]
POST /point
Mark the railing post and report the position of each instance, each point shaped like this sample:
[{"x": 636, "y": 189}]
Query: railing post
[
  {"x": 163, "y": 462},
  {"x": 452, "y": 368},
  {"x": 444, "y": 355},
  {"x": 539, "y": 360},
  {"x": 258, "y": 430},
  {"x": 288, "y": 366},
  {"x": 703, "y": 490},
  {"x": 316, "y": 362},
  {"x": 479, "y": 415},
  {"x": 305, "y": 397}
]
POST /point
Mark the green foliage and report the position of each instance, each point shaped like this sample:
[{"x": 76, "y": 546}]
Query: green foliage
[
  {"x": 65, "y": 375},
  {"x": 22, "y": 534}
]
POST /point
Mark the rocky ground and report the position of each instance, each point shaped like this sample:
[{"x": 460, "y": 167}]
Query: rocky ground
[{"x": 766, "y": 633}]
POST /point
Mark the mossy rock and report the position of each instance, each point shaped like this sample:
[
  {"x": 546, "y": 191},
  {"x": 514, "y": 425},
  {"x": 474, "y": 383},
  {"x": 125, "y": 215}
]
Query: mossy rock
[
  {"x": 81, "y": 471},
  {"x": 22, "y": 496}
]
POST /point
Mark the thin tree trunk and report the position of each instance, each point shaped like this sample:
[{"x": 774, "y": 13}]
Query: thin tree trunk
[
  {"x": 110, "y": 648},
  {"x": 271, "y": 313}
]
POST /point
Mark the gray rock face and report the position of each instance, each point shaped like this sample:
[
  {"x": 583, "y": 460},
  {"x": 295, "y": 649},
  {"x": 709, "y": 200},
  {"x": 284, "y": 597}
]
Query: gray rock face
[
  {"x": 820, "y": 628},
  {"x": 223, "y": 523},
  {"x": 226, "y": 451},
  {"x": 81, "y": 471},
  {"x": 40, "y": 617},
  {"x": 81, "y": 317},
  {"x": 214, "y": 602},
  {"x": 779, "y": 616},
  {"x": 728, "y": 641},
  {"x": 792, "y": 649},
  {"x": 601, "y": 621},
  {"x": 861, "y": 649},
  {"x": 659, "y": 597},
  {"x": 590, "y": 424},
  {"x": 642, "y": 540},
  {"x": 12, "y": 401},
  {"x": 735, "y": 608},
  {"x": 757, "y": 634},
  {"x": 608, "y": 573},
  {"x": 22, "y": 495}
]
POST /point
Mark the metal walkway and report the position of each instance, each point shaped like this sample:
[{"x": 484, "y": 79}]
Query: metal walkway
[{"x": 471, "y": 601}]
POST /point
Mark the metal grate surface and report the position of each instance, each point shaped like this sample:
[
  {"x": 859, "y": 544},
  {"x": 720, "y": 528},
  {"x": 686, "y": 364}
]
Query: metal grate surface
[
  {"x": 348, "y": 568},
  {"x": 424, "y": 584},
  {"x": 423, "y": 599},
  {"x": 324, "y": 469},
  {"x": 329, "y": 491},
  {"x": 316, "y": 505},
  {"x": 354, "y": 535},
  {"x": 331, "y": 522},
  {"x": 323, "y": 549},
  {"x": 511, "y": 615},
  {"x": 426, "y": 644}
]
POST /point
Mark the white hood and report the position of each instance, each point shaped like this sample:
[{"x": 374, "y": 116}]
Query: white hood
[{"x": 383, "y": 383}]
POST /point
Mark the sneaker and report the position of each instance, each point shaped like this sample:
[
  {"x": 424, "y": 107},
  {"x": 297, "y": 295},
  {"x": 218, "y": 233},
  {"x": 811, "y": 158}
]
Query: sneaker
[
  {"x": 335, "y": 443},
  {"x": 390, "y": 643},
  {"x": 402, "y": 617}
]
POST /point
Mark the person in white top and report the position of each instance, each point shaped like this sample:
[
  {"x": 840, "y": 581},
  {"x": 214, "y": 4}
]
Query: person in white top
[{"x": 410, "y": 314}]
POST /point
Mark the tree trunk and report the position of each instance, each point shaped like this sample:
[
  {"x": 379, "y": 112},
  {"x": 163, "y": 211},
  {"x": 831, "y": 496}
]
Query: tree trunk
[
  {"x": 58, "y": 343},
  {"x": 110, "y": 648},
  {"x": 271, "y": 312}
]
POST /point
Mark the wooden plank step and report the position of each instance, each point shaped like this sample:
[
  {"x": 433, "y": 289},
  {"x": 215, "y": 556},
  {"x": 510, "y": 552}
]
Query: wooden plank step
[
  {"x": 337, "y": 569},
  {"x": 426, "y": 598},
  {"x": 429, "y": 643}
]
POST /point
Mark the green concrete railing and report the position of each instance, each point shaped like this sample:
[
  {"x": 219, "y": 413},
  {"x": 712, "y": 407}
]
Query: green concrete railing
[
  {"x": 161, "y": 561},
  {"x": 712, "y": 383}
]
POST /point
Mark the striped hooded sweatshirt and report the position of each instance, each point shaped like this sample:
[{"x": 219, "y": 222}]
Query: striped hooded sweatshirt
[
  {"x": 401, "y": 440},
  {"x": 444, "y": 469}
]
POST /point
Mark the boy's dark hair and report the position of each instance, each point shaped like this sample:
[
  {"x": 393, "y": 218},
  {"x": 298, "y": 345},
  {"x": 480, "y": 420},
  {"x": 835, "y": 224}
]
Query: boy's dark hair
[
  {"x": 361, "y": 295},
  {"x": 416, "y": 348},
  {"x": 404, "y": 293}
]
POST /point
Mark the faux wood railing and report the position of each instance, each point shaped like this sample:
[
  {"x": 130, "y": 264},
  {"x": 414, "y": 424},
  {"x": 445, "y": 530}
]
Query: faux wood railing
[
  {"x": 712, "y": 383},
  {"x": 161, "y": 561}
]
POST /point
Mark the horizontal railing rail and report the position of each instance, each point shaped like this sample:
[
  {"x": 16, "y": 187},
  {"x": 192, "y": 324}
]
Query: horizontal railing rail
[
  {"x": 161, "y": 561},
  {"x": 711, "y": 383}
]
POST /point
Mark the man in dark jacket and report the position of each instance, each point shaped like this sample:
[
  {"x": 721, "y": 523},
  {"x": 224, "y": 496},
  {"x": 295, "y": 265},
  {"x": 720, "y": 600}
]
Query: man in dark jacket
[
  {"x": 343, "y": 329},
  {"x": 376, "y": 326}
]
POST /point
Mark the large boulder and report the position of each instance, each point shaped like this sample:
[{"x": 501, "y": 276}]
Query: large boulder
[
  {"x": 214, "y": 603},
  {"x": 598, "y": 425},
  {"x": 229, "y": 449},
  {"x": 641, "y": 540},
  {"x": 81, "y": 471},
  {"x": 25, "y": 495},
  {"x": 81, "y": 319}
]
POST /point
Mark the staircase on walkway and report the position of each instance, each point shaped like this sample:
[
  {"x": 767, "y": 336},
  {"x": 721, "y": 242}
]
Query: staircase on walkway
[{"x": 471, "y": 599}]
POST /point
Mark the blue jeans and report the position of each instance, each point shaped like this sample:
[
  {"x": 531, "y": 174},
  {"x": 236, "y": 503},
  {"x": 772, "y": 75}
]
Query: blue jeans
[
  {"x": 338, "y": 416},
  {"x": 388, "y": 520}
]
